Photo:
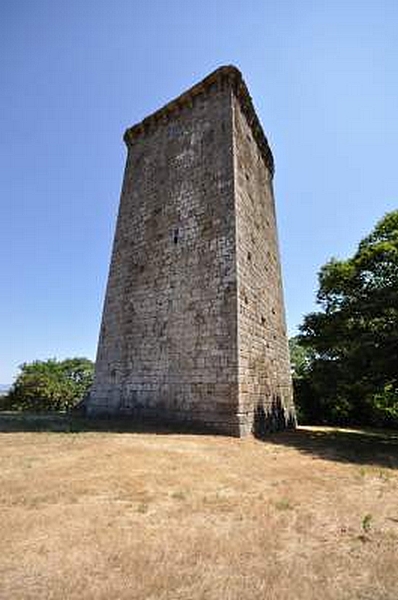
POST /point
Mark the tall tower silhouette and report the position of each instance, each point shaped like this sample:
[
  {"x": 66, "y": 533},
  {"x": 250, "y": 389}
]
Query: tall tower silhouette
[{"x": 193, "y": 328}]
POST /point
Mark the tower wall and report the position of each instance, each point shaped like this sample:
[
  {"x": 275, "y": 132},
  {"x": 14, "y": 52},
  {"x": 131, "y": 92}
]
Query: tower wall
[
  {"x": 168, "y": 345},
  {"x": 265, "y": 391},
  {"x": 193, "y": 326}
]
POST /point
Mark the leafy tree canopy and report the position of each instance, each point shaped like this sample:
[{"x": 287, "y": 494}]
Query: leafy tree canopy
[
  {"x": 354, "y": 337},
  {"x": 50, "y": 385}
]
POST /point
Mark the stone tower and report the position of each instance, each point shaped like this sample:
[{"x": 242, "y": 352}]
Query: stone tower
[{"x": 193, "y": 327}]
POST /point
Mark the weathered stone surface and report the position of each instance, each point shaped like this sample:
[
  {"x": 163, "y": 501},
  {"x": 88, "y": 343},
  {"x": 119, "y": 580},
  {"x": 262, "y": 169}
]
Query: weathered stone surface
[{"x": 193, "y": 325}]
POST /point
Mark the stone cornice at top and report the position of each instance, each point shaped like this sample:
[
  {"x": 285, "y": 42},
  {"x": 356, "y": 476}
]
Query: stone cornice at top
[{"x": 229, "y": 75}]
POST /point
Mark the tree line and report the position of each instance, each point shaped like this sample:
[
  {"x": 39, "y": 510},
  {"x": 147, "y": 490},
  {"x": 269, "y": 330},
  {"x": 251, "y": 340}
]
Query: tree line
[
  {"x": 345, "y": 358},
  {"x": 50, "y": 385}
]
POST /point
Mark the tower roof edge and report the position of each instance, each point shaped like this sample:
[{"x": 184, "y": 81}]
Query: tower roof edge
[{"x": 225, "y": 74}]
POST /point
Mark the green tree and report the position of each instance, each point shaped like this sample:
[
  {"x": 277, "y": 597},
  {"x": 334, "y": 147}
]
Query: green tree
[
  {"x": 300, "y": 358},
  {"x": 354, "y": 337},
  {"x": 50, "y": 385}
]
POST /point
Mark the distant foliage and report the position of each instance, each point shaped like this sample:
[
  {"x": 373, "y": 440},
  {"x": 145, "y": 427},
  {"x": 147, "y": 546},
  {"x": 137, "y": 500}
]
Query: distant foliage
[
  {"x": 350, "y": 347},
  {"x": 50, "y": 385}
]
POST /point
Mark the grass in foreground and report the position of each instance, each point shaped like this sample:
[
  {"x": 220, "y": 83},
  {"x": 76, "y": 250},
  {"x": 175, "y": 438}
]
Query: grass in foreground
[{"x": 101, "y": 514}]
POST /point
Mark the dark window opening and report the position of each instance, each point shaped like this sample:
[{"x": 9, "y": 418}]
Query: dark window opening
[{"x": 176, "y": 236}]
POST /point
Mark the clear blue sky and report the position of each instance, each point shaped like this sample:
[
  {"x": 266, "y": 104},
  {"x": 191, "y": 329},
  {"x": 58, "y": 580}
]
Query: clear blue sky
[{"x": 74, "y": 74}]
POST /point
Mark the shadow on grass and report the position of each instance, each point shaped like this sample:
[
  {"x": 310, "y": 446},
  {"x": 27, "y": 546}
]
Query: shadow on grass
[
  {"x": 361, "y": 446},
  {"x": 12, "y": 422}
]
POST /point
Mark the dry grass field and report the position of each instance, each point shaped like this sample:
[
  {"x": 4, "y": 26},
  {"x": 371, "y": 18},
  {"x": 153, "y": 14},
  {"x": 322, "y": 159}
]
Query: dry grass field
[{"x": 138, "y": 515}]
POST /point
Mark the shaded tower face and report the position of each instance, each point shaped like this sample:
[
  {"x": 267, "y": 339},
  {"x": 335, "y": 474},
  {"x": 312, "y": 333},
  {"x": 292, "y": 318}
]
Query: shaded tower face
[{"x": 193, "y": 326}]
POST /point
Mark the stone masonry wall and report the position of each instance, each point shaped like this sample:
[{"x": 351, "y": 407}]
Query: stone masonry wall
[
  {"x": 168, "y": 346},
  {"x": 265, "y": 392},
  {"x": 193, "y": 327}
]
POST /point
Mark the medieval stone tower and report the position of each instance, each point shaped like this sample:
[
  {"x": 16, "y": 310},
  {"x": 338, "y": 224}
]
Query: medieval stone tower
[{"x": 193, "y": 327}]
